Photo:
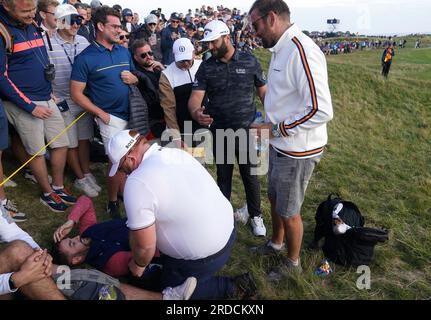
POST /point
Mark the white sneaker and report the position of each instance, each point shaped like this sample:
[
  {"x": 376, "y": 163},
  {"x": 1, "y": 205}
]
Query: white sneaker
[
  {"x": 181, "y": 292},
  {"x": 9, "y": 184},
  {"x": 14, "y": 213},
  {"x": 29, "y": 176},
  {"x": 242, "y": 215},
  {"x": 258, "y": 227},
  {"x": 93, "y": 182},
  {"x": 86, "y": 187}
]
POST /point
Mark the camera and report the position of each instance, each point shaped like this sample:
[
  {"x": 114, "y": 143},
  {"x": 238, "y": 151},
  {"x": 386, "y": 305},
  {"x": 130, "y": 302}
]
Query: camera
[{"x": 49, "y": 72}]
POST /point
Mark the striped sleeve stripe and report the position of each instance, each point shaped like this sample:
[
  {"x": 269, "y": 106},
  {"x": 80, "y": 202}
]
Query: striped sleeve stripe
[
  {"x": 282, "y": 129},
  {"x": 301, "y": 154},
  {"x": 311, "y": 84},
  {"x": 28, "y": 45},
  {"x": 17, "y": 91},
  {"x": 6, "y": 36}
]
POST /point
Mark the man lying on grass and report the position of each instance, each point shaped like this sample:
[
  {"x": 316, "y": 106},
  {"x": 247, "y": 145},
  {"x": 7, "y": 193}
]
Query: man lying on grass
[
  {"x": 27, "y": 269},
  {"x": 104, "y": 246}
]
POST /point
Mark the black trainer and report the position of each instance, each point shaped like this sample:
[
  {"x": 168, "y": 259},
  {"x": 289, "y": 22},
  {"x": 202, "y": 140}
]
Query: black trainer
[
  {"x": 245, "y": 286},
  {"x": 113, "y": 209}
]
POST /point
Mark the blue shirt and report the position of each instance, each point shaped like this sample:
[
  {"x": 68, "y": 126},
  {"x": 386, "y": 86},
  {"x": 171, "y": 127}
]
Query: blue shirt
[
  {"x": 22, "y": 78},
  {"x": 101, "y": 70}
]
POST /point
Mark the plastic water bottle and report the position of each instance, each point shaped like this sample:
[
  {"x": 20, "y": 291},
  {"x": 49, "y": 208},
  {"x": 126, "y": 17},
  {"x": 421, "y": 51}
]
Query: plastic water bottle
[
  {"x": 261, "y": 147},
  {"x": 259, "y": 118}
]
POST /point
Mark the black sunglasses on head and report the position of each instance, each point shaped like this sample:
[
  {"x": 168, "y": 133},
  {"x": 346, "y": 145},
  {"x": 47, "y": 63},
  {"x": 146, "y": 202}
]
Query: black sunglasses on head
[
  {"x": 145, "y": 54},
  {"x": 124, "y": 36}
]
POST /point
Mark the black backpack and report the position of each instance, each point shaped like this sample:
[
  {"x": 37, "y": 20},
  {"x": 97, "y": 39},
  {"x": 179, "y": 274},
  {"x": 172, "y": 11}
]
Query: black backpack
[{"x": 356, "y": 246}]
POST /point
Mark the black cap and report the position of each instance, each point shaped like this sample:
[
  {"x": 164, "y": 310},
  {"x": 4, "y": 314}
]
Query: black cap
[
  {"x": 175, "y": 16},
  {"x": 156, "y": 12},
  {"x": 191, "y": 26}
]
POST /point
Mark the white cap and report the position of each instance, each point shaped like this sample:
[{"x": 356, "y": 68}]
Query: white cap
[
  {"x": 152, "y": 18},
  {"x": 204, "y": 18},
  {"x": 64, "y": 10},
  {"x": 118, "y": 146},
  {"x": 183, "y": 49},
  {"x": 201, "y": 29},
  {"x": 214, "y": 30}
]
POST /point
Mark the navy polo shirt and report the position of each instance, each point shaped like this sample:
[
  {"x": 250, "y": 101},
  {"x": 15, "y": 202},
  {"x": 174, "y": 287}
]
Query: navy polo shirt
[
  {"x": 230, "y": 88},
  {"x": 100, "y": 69}
]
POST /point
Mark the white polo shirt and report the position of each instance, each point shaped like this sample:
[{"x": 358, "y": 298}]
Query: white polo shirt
[
  {"x": 298, "y": 97},
  {"x": 173, "y": 190}
]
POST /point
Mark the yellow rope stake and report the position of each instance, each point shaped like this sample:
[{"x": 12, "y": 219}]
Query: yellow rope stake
[{"x": 46, "y": 146}]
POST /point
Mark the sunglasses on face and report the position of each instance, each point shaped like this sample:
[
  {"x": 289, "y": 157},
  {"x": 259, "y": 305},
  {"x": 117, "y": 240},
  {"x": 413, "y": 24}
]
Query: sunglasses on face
[
  {"x": 147, "y": 54},
  {"x": 124, "y": 36},
  {"x": 152, "y": 24},
  {"x": 75, "y": 20},
  {"x": 175, "y": 21}
]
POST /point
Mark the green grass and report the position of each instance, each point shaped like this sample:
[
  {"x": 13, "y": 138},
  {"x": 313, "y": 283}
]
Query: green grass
[{"x": 378, "y": 156}]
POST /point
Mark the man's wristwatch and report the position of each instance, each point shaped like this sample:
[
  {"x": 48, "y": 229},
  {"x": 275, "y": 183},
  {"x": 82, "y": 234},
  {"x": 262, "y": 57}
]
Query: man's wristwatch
[
  {"x": 12, "y": 285},
  {"x": 275, "y": 132}
]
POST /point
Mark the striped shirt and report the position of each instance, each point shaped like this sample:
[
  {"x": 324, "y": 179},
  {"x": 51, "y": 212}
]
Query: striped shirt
[{"x": 63, "y": 57}]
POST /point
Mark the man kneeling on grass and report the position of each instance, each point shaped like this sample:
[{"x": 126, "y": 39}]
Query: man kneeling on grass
[{"x": 104, "y": 246}]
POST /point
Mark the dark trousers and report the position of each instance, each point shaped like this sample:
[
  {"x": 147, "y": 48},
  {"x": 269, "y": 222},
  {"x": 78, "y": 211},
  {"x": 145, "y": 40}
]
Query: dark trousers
[
  {"x": 225, "y": 164},
  {"x": 386, "y": 68},
  {"x": 176, "y": 271}
]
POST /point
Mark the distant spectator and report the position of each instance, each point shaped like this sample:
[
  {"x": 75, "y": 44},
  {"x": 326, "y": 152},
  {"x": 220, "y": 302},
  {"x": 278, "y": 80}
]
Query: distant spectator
[
  {"x": 46, "y": 10},
  {"x": 127, "y": 19},
  {"x": 387, "y": 57},
  {"x": 171, "y": 33},
  {"x": 124, "y": 39},
  {"x": 87, "y": 27},
  {"x": 135, "y": 21},
  {"x": 149, "y": 33}
]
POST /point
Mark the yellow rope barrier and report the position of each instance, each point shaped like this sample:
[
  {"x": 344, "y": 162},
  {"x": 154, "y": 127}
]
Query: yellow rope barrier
[{"x": 46, "y": 146}]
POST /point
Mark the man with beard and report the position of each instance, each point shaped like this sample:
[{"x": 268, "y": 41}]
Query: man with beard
[
  {"x": 298, "y": 106},
  {"x": 230, "y": 79}
]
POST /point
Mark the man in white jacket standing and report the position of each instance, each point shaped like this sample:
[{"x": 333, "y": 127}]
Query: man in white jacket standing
[
  {"x": 298, "y": 106},
  {"x": 23, "y": 265}
]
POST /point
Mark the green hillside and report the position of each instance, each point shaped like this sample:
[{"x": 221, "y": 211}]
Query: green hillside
[{"x": 378, "y": 156}]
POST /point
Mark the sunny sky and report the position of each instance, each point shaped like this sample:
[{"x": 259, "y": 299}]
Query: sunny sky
[{"x": 371, "y": 17}]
